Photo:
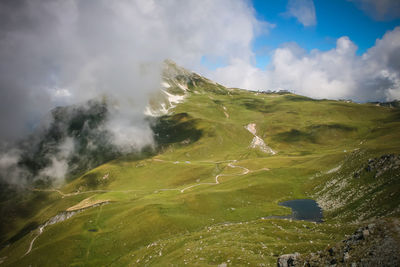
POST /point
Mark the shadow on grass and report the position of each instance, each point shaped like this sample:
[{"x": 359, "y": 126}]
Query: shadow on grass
[
  {"x": 333, "y": 126},
  {"x": 168, "y": 130},
  {"x": 295, "y": 135},
  {"x": 23, "y": 205},
  {"x": 312, "y": 133},
  {"x": 299, "y": 98},
  {"x": 179, "y": 128},
  {"x": 393, "y": 117},
  {"x": 254, "y": 104},
  {"x": 21, "y": 233}
]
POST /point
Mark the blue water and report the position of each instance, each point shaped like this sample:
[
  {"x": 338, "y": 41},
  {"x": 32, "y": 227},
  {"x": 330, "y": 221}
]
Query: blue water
[{"x": 302, "y": 209}]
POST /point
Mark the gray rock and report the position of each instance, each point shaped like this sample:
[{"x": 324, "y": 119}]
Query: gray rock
[
  {"x": 371, "y": 227},
  {"x": 287, "y": 260},
  {"x": 365, "y": 233},
  {"x": 346, "y": 256},
  {"x": 383, "y": 164}
]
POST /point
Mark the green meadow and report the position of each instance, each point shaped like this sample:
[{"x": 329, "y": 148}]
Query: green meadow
[{"x": 201, "y": 196}]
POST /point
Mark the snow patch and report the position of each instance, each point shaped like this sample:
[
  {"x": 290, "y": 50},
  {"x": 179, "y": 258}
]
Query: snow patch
[
  {"x": 171, "y": 102},
  {"x": 165, "y": 85},
  {"x": 176, "y": 99},
  {"x": 156, "y": 112},
  {"x": 251, "y": 127},
  {"x": 182, "y": 86},
  {"x": 257, "y": 142}
]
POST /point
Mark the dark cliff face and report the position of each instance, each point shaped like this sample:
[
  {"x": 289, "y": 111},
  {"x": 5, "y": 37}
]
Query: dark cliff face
[{"x": 82, "y": 125}]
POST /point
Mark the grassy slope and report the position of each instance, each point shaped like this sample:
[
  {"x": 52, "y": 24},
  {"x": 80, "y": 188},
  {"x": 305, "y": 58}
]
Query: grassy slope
[{"x": 211, "y": 224}]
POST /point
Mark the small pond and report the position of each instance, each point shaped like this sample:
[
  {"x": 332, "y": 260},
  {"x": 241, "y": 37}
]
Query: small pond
[{"x": 302, "y": 209}]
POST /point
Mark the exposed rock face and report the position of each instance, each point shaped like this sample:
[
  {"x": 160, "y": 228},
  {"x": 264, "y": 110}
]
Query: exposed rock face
[
  {"x": 363, "y": 188},
  {"x": 383, "y": 164},
  {"x": 257, "y": 142},
  {"x": 380, "y": 165},
  {"x": 376, "y": 244},
  {"x": 288, "y": 260},
  {"x": 177, "y": 83}
]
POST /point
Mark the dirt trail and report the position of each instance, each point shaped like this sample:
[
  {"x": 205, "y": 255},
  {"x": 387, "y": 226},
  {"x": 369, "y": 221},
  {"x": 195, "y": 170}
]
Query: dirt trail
[
  {"x": 84, "y": 192},
  {"x": 82, "y": 204},
  {"x": 56, "y": 219},
  {"x": 245, "y": 171},
  {"x": 33, "y": 240},
  {"x": 87, "y": 203}
]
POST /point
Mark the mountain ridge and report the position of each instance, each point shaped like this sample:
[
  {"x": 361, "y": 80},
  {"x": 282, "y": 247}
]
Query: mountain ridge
[{"x": 201, "y": 198}]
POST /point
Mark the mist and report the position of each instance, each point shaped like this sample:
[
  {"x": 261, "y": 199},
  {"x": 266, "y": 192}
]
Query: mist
[{"x": 58, "y": 53}]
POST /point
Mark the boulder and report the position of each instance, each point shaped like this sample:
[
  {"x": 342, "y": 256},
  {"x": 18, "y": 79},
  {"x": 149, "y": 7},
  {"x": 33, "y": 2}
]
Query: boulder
[{"x": 287, "y": 260}]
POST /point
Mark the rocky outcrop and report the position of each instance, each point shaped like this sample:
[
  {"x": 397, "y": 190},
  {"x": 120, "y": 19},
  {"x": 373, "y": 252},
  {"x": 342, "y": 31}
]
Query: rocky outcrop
[
  {"x": 380, "y": 165},
  {"x": 375, "y": 244},
  {"x": 287, "y": 260},
  {"x": 257, "y": 142},
  {"x": 383, "y": 164},
  {"x": 363, "y": 188}
]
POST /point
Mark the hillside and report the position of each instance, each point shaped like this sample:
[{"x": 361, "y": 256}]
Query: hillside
[{"x": 225, "y": 158}]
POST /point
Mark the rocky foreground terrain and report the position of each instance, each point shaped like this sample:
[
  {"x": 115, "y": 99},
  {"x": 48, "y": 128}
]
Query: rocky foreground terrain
[{"x": 376, "y": 244}]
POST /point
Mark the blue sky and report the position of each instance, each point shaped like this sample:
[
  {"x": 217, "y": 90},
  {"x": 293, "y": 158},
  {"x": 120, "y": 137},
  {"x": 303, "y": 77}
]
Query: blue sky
[
  {"x": 334, "y": 19},
  {"x": 335, "y": 49}
]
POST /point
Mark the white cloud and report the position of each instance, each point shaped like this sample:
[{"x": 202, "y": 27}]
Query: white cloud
[
  {"x": 9, "y": 167},
  {"x": 381, "y": 10},
  {"x": 335, "y": 74},
  {"x": 113, "y": 48},
  {"x": 58, "y": 167},
  {"x": 303, "y": 11},
  {"x": 56, "y": 52}
]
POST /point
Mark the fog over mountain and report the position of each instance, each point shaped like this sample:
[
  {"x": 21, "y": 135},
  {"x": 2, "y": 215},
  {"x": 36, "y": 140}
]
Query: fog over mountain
[
  {"x": 63, "y": 52},
  {"x": 68, "y": 53}
]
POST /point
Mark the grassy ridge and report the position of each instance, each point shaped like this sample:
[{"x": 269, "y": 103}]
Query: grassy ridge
[{"x": 150, "y": 221}]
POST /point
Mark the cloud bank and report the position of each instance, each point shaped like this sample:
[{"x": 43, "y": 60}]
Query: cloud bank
[
  {"x": 57, "y": 52},
  {"x": 336, "y": 74}
]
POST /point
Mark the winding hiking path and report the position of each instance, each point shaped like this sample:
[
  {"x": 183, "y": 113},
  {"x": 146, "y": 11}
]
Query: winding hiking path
[
  {"x": 230, "y": 164},
  {"x": 83, "y": 192},
  {"x": 245, "y": 171},
  {"x": 217, "y": 181},
  {"x": 33, "y": 240}
]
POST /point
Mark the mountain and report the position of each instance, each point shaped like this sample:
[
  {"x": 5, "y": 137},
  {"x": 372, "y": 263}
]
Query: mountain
[{"x": 209, "y": 192}]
